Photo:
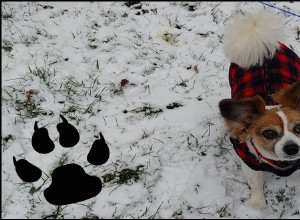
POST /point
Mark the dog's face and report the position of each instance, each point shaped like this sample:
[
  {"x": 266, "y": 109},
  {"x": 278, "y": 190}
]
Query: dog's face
[{"x": 275, "y": 132}]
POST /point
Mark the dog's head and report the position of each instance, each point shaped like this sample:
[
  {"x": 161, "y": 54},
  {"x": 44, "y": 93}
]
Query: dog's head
[{"x": 274, "y": 131}]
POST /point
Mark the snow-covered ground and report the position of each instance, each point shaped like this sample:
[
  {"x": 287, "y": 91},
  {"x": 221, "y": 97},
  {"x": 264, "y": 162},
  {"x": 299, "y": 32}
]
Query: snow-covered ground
[{"x": 169, "y": 154}]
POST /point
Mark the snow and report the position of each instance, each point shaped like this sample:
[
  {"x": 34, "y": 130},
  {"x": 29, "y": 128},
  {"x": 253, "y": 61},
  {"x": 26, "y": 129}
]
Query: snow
[{"x": 185, "y": 164}]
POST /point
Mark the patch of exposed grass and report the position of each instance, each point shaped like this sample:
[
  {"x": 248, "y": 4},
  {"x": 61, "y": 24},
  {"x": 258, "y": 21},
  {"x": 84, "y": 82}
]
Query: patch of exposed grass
[
  {"x": 28, "y": 40},
  {"x": 174, "y": 105},
  {"x": 5, "y": 140},
  {"x": 190, "y": 6},
  {"x": 223, "y": 212},
  {"x": 90, "y": 216},
  {"x": 27, "y": 104},
  {"x": 8, "y": 137},
  {"x": 34, "y": 190},
  {"x": 7, "y": 16},
  {"x": 7, "y": 13},
  {"x": 147, "y": 109},
  {"x": 7, "y": 46},
  {"x": 62, "y": 160},
  {"x": 131, "y": 3},
  {"x": 125, "y": 176},
  {"x": 284, "y": 195},
  {"x": 30, "y": 109},
  {"x": 57, "y": 213},
  {"x": 71, "y": 86},
  {"x": 44, "y": 73},
  {"x": 70, "y": 109}
]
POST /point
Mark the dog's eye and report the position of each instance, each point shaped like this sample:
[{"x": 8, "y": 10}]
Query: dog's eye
[
  {"x": 270, "y": 134},
  {"x": 297, "y": 129}
]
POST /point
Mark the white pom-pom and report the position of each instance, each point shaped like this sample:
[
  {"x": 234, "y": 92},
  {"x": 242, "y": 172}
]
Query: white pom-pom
[{"x": 250, "y": 38}]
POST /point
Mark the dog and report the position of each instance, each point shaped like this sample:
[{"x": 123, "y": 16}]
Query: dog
[{"x": 262, "y": 116}]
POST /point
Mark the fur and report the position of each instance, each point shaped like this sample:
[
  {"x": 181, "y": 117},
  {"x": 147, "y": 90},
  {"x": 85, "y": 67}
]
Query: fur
[
  {"x": 250, "y": 38},
  {"x": 248, "y": 120},
  {"x": 290, "y": 98}
]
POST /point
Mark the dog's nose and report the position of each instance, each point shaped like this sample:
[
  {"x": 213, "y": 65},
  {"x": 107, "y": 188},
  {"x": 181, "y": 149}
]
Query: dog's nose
[{"x": 291, "y": 149}]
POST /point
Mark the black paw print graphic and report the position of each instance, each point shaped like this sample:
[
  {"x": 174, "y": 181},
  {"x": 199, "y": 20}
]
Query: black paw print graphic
[{"x": 70, "y": 183}]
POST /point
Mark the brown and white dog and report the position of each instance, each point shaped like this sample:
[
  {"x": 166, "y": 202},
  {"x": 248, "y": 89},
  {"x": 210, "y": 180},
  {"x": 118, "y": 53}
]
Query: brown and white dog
[{"x": 263, "y": 115}]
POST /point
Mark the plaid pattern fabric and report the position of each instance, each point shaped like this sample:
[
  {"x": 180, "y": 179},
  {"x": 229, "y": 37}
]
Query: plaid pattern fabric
[
  {"x": 280, "y": 168},
  {"x": 277, "y": 73}
]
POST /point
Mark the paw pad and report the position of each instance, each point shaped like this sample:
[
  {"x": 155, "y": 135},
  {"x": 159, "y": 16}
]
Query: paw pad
[
  {"x": 27, "y": 171},
  {"x": 99, "y": 147},
  {"x": 64, "y": 190},
  {"x": 68, "y": 134},
  {"x": 70, "y": 183},
  {"x": 41, "y": 141}
]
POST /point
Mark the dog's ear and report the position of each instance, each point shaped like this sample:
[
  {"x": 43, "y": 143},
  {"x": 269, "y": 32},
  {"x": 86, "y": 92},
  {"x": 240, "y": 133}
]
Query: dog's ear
[
  {"x": 289, "y": 97},
  {"x": 244, "y": 111},
  {"x": 240, "y": 114}
]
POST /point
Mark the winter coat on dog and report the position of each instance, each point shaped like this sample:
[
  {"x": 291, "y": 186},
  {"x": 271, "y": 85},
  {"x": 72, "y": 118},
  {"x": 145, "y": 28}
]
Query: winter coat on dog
[
  {"x": 275, "y": 74},
  {"x": 260, "y": 65}
]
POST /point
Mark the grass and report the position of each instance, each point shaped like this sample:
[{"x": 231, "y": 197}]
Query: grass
[
  {"x": 28, "y": 40},
  {"x": 200, "y": 210},
  {"x": 27, "y": 103},
  {"x": 174, "y": 105},
  {"x": 7, "y": 138},
  {"x": 223, "y": 212},
  {"x": 90, "y": 216},
  {"x": 7, "y": 13},
  {"x": 130, "y": 3},
  {"x": 44, "y": 73},
  {"x": 147, "y": 109},
  {"x": 7, "y": 46},
  {"x": 149, "y": 70},
  {"x": 283, "y": 200},
  {"x": 7, "y": 16},
  {"x": 75, "y": 92},
  {"x": 34, "y": 190},
  {"x": 5, "y": 141},
  {"x": 189, "y": 6},
  {"x": 57, "y": 213},
  {"x": 30, "y": 109},
  {"x": 125, "y": 176},
  {"x": 26, "y": 106},
  {"x": 280, "y": 196},
  {"x": 62, "y": 160}
]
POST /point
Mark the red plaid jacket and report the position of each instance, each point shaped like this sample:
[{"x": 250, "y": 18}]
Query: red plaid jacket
[
  {"x": 277, "y": 73},
  {"x": 256, "y": 162}
]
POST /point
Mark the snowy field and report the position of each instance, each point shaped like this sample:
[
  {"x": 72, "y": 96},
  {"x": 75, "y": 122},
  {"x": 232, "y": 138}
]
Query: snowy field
[{"x": 149, "y": 77}]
